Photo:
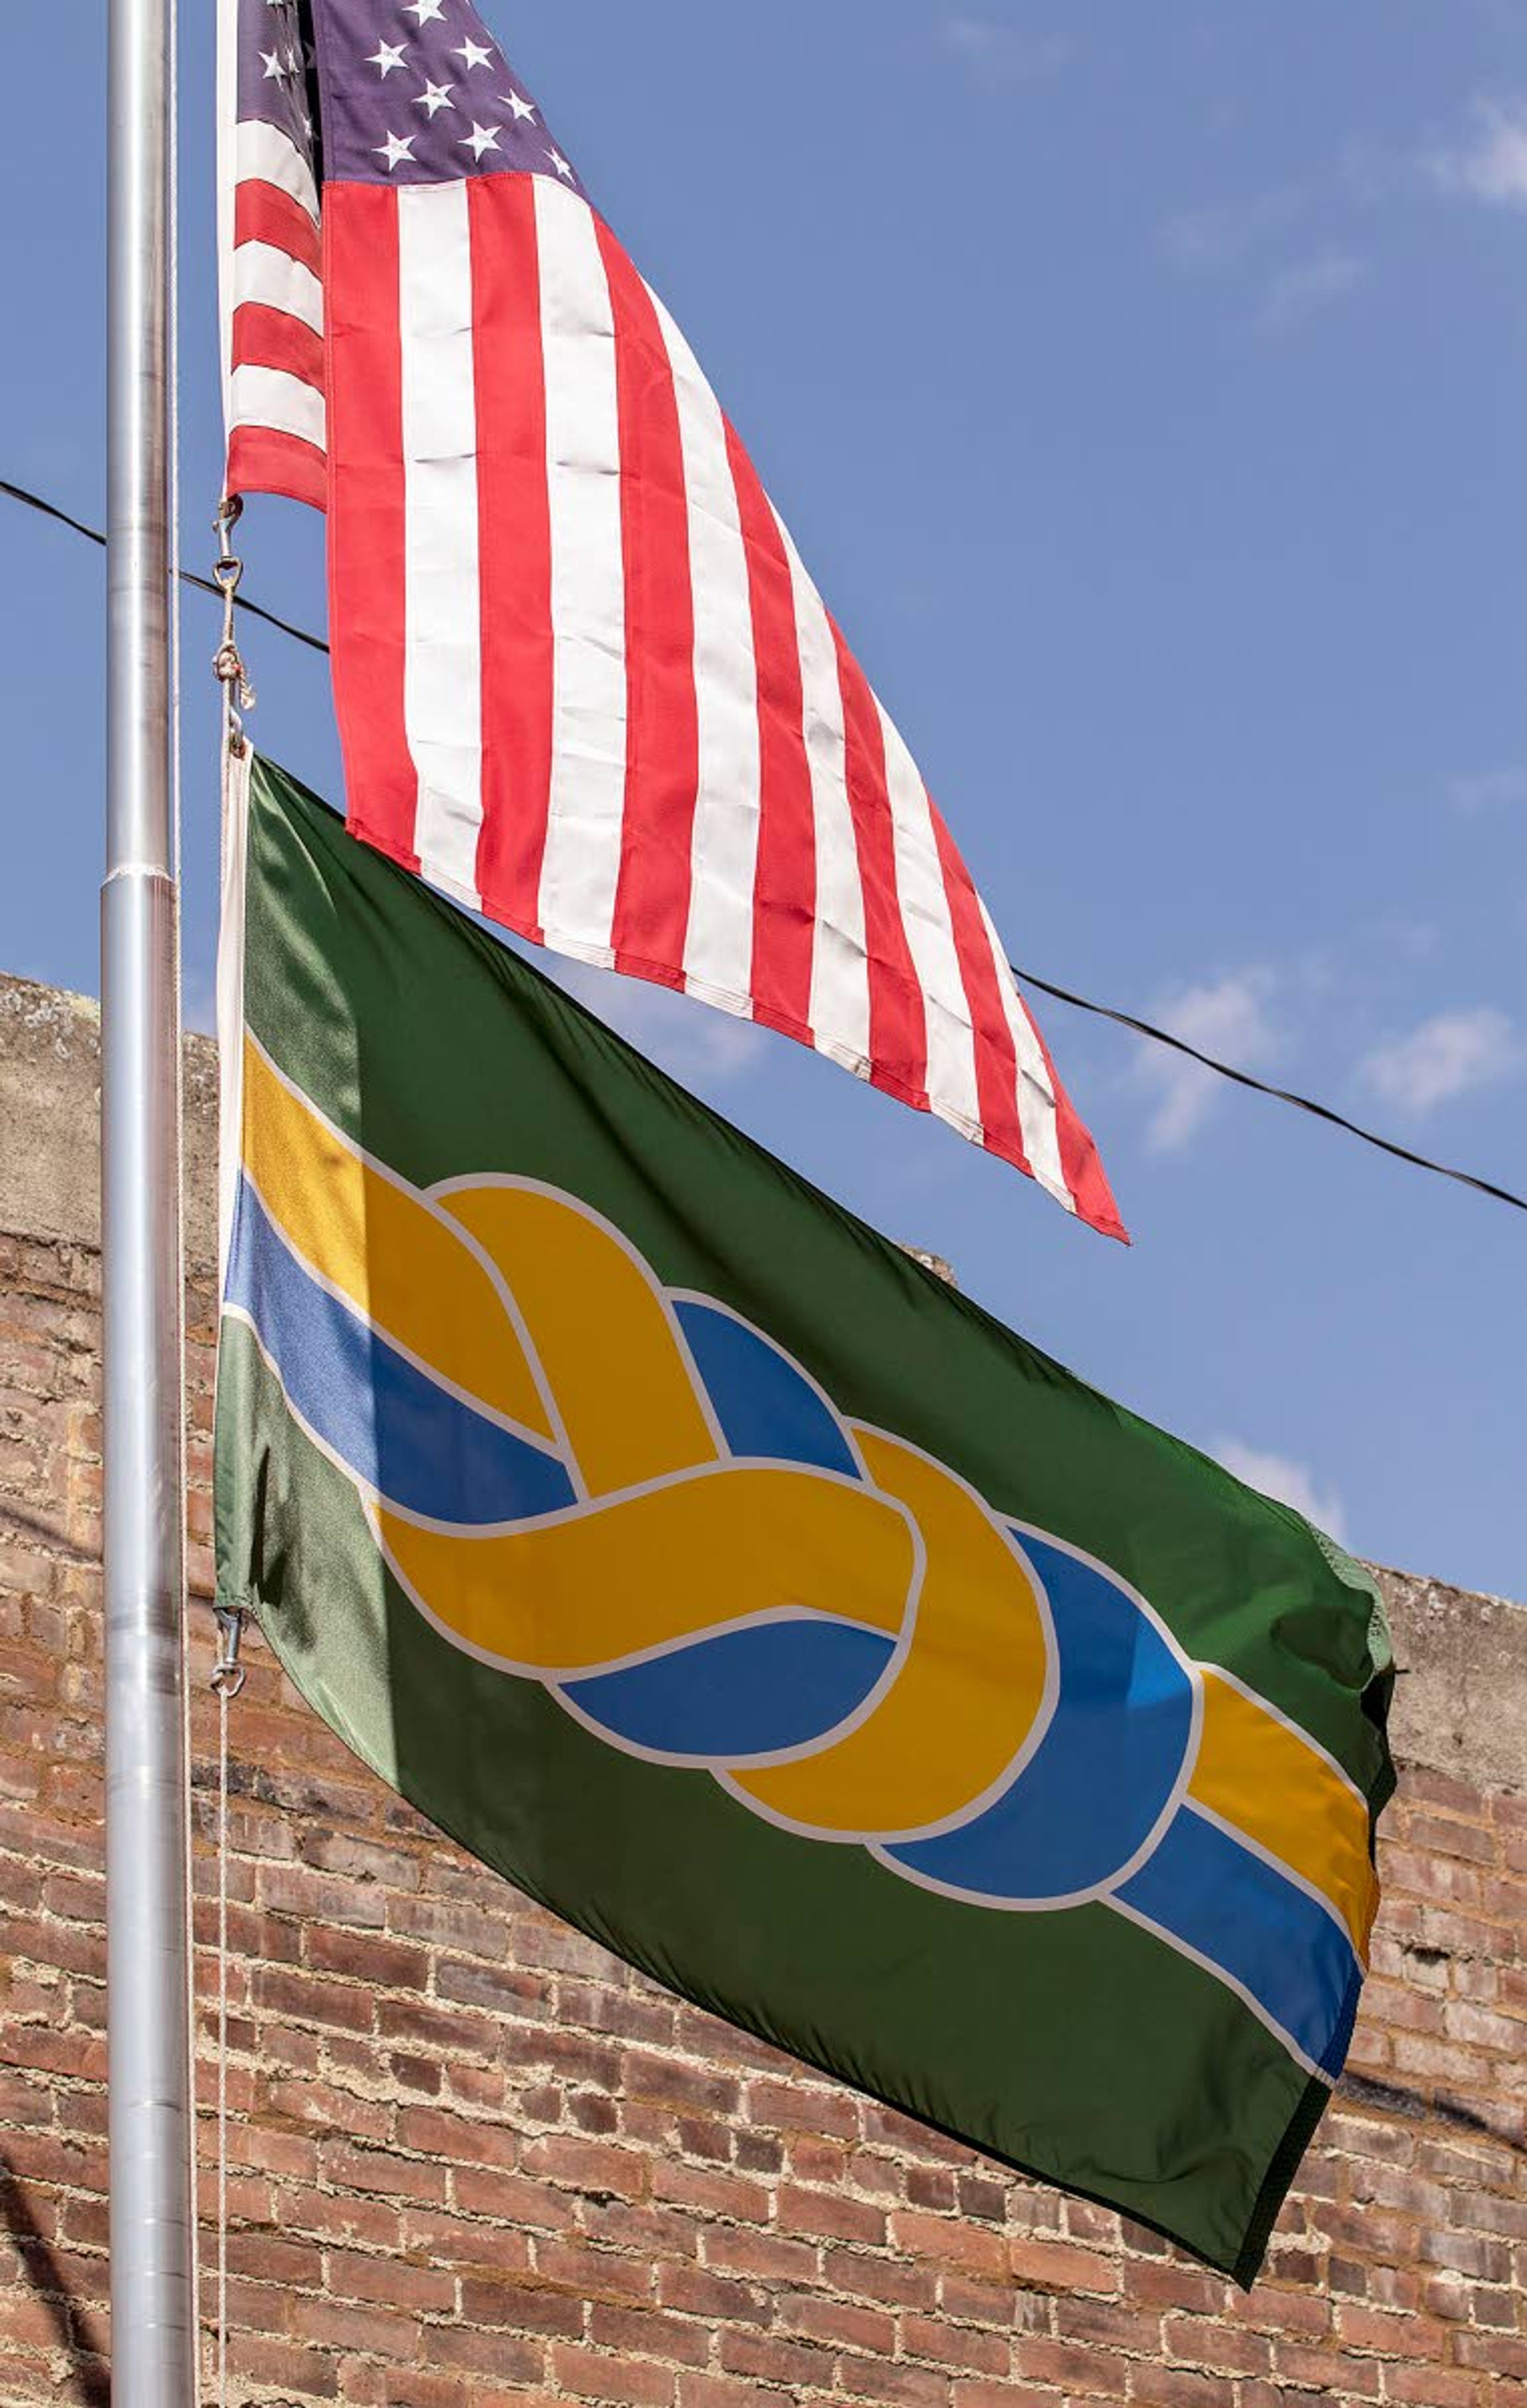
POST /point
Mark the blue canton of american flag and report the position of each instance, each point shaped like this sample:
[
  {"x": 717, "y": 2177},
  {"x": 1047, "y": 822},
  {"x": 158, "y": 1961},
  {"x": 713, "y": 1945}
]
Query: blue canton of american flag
[
  {"x": 584, "y": 682},
  {"x": 416, "y": 93}
]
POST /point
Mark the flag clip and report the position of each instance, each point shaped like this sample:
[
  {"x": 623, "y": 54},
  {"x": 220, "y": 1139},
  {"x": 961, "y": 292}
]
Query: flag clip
[
  {"x": 228, "y": 1674},
  {"x": 227, "y": 660}
]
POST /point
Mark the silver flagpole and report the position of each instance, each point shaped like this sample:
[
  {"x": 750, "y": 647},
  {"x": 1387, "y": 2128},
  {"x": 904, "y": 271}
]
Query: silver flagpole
[{"x": 153, "y": 2310}]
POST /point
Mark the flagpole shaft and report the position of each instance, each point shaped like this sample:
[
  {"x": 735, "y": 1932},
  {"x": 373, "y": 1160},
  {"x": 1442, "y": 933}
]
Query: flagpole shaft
[{"x": 153, "y": 2307}]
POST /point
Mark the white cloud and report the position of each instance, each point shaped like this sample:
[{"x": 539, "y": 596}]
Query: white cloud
[
  {"x": 692, "y": 1041},
  {"x": 1297, "y": 293},
  {"x": 1490, "y": 792},
  {"x": 1491, "y": 165},
  {"x": 1228, "y": 1019},
  {"x": 1005, "y": 54},
  {"x": 1292, "y": 1483},
  {"x": 1199, "y": 239},
  {"x": 1448, "y": 1055}
]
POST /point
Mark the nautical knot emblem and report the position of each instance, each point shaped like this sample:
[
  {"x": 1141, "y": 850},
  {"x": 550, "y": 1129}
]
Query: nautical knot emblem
[{"x": 630, "y": 1495}]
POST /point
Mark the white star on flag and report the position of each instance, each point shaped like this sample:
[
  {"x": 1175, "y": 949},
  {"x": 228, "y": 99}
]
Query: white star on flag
[
  {"x": 435, "y": 97},
  {"x": 386, "y": 58},
  {"x": 521, "y": 107},
  {"x": 482, "y": 138},
  {"x": 560, "y": 165},
  {"x": 474, "y": 55},
  {"x": 424, "y": 10},
  {"x": 396, "y": 147}
]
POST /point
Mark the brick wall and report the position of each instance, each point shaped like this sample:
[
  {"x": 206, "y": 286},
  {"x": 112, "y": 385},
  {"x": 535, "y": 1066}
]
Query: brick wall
[{"x": 474, "y": 2161}]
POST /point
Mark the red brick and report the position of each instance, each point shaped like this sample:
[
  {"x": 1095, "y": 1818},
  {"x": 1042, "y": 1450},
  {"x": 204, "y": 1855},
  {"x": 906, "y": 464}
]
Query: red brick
[
  {"x": 1327, "y": 2371},
  {"x": 511, "y": 2199},
  {"x": 648, "y": 2332},
  {"x": 1431, "y": 2386},
  {"x": 387, "y": 2282},
  {"x": 592, "y": 2273},
  {"x": 829, "y": 2216},
  {"x": 723, "y": 2392},
  {"x": 284, "y": 2366},
  {"x": 971, "y": 2248},
  {"x": 773, "y": 2358},
  {"x": 803, "y": 2107},
  {"x": 741, "y": 2250},
  {"x": 361, "y": 1956},
  {"x": 1495, "y": 2353},
  {"x": 380, "y": 2171},
  {"x": 836, "y": 2324},
  {"x": 1000, "y": 2395},
  {"x": 990, "y": 2304},
  {"x": 527, "y": 2307},
  {"x": 502, "y": 2358},
  {"x": 900, "y": 2386},
  {"x": 957, "y": 2347},
  {"x": 1056, "y": 2265},
  {"x": 342, "y": 2326},
  {"x": 603, "y": 2378},
  {"x": 1174, "y": 2386},
  {"x": 695, "y": 2293}
]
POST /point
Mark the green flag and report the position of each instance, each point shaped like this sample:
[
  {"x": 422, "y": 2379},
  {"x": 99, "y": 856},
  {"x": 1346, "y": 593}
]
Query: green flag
[{"x": 763, "y": 1607}]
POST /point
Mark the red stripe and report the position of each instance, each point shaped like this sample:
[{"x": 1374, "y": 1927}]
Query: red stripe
[
  {"x": 898, "y": 1021},
  {"x": 1080, "y": 1166},
  {"x": 264, "y": 213},
  {"x": 514, "y": 521},
  {"x": 663, "y": 727},
  {"x": 785, "y": 882},
  {"x": 366, "y": 513},
  {"x": 996, "y": 1055},
  {"x": 261, "y": 460},
  {"x": 273, "y": 338}
]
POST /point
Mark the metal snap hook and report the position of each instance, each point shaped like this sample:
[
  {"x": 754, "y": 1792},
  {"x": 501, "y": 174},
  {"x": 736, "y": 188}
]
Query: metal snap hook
[{"x": 228, "y": 1674}]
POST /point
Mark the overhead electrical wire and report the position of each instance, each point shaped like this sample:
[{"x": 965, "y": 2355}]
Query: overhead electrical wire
[
  {"x": 1129, "y": 1020},
  {"x": 1262, "y": 1087},
  {"x": 188, "y": 577}
]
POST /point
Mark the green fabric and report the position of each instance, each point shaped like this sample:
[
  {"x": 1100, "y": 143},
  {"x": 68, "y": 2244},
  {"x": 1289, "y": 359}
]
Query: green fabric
[{"x": 1072, "y": 2044}]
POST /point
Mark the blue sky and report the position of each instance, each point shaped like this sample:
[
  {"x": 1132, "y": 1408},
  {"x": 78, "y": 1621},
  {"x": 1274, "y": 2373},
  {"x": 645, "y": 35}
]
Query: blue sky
[{"x": 1146, "y": 390}]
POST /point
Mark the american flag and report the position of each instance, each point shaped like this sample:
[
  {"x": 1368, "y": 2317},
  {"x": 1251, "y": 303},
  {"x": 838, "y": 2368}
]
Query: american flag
[{"x": 585, "y": 682}]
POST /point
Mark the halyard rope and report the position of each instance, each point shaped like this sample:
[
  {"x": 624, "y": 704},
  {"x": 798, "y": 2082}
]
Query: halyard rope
[
  {"x": 227, "y": 1675},
  {"x": 176, "y": 580},
  {"x": 227, "y": 1680}
]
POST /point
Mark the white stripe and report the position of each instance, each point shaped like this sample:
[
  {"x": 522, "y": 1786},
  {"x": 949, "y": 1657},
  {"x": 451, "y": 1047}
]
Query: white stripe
[
  {"x": 267, "y": 156},
  {"x": 442, "y": 675},
  {"x": 275, "y": 281},
  {"x": 952, "y": 1090},
  {"x": 719, "y": 946},
  {"x": 274, "y": 399},
  {"x": 839, "y": 1005},
  {"x": 581, "y": 867},
  {"x": 1037, "y": 1114}
]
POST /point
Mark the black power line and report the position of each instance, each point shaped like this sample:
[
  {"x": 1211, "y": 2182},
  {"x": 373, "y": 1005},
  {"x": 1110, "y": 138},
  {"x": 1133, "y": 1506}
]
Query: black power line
[
  {"x": 1029, "y": 978},
  {"x": 1261, "y": 1087},
  {"x": 202, "y": 584}
]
